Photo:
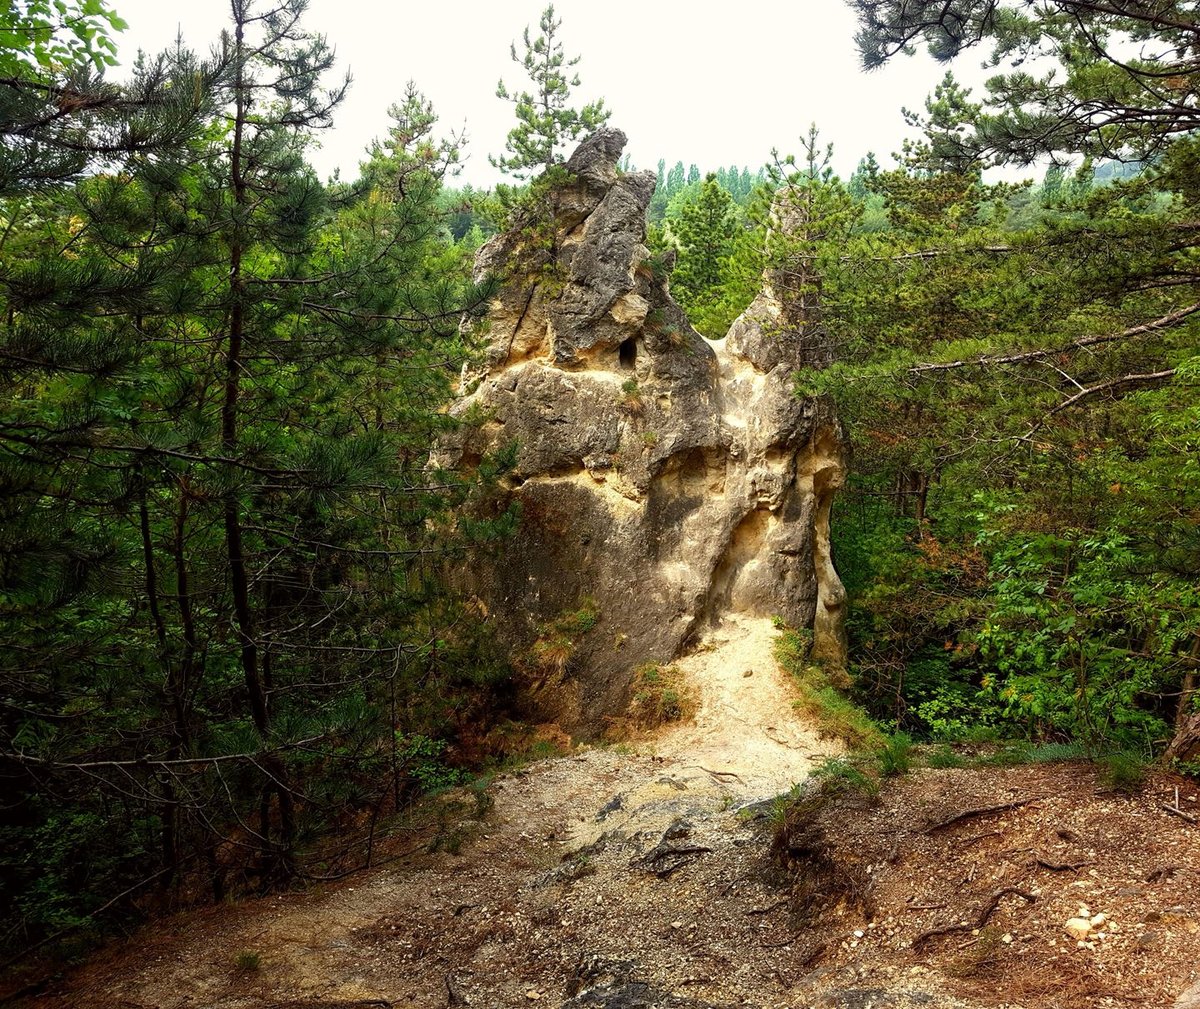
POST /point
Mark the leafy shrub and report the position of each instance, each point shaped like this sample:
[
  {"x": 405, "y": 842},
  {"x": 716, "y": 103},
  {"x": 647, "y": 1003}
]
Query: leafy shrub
[{"x": 423, "y": 762}]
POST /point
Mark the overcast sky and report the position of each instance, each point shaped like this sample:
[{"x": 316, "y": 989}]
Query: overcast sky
[{"x": 709, "y": 84}]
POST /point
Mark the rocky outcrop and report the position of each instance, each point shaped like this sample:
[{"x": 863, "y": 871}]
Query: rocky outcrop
[{"x": 662, "y": 480}]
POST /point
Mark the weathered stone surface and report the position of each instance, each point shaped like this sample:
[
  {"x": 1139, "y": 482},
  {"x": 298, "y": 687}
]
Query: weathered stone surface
[
  {"x": 1189, "y": 999},
  {"x": 665, "y": 478}
]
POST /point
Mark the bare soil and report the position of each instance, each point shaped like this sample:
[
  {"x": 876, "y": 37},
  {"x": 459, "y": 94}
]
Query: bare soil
[{"x": 651, "y": 876}]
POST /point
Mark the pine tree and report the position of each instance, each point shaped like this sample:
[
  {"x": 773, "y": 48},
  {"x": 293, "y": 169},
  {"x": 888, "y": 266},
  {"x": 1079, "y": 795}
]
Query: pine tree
[
  {"x": 708, "y": 280},
  {"x": 221, "y": 381},
  {"x": 545, "y": 120},
  {"x": 675, "y": 179}
]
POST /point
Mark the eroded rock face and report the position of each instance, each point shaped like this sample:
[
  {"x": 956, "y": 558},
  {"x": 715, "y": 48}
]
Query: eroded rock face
[{"x": 663, "y": 478}]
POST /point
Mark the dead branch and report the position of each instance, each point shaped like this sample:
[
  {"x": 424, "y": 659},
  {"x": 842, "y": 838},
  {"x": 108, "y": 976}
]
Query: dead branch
[
  {"x": 721, "y": 775},
  {"x": 1176, "y": 811},
  {"x": 968, "y": 814},
  {"x": 1046, "y": 863},
  {"x": 1020, "y": 357},
  {"x": 665, "y": 859},
  {"x": 1148, "y": 378},
  {"x": 981, "y": 918}
]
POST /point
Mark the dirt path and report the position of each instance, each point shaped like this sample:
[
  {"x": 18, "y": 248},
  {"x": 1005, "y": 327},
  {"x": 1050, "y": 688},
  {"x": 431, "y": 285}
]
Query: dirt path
[{"x": 604, "y": 871}]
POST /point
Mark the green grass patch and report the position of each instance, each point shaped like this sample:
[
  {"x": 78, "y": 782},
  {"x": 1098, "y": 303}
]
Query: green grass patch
[
  {"x": 660, "y": 695},
  {"x": 846, "y": 777},
  {"x": 943, "y": 757},
  {"x": 1124, "y": 771},
  {"x": 895, "y": 757},
  {"x": 821, "y": 699},
  {"x": 1014, "y": 754}
]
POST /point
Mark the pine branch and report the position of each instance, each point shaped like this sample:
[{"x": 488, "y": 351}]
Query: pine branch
[{"x": 1168, "y": 321}]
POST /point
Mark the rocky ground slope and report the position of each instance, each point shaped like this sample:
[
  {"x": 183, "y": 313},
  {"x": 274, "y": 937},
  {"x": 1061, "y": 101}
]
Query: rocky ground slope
[{"x": 657, "y": 876}]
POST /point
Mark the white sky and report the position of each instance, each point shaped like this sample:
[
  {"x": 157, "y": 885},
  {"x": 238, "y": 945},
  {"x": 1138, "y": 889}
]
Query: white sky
[{"x": 711, "y": 83}]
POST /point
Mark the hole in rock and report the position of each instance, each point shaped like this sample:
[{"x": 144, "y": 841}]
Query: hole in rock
[{"x": 627, "y": 353}]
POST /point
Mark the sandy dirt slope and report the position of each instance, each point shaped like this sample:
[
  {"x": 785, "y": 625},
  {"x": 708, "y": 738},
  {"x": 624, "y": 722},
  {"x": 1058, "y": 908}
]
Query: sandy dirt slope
[{"x": 606, "y": 868}]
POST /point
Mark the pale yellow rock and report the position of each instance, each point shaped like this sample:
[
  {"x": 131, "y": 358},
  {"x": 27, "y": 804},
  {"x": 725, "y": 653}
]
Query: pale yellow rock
[
  {"x": 630, "y": 310},
  {"x": 1078, "y": 928}
]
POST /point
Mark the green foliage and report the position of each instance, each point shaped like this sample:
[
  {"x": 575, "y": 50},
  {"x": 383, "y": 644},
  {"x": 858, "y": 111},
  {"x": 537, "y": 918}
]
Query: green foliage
[
  {"x": 713, "y": 278},
  {"x": 660, "y": 695},
  {"x": 1103, "y": 101},
  {"x": 843, "y": 776},
  {"x": 220, "y": 609},
  {"x": 545, "y": 120},
  {"x": 1016, "y": 534},
  {"x": 247, "y": 961},
  {"x": 54, "y": 36},
  {"x": 943, "y": 757},
  {"x": 557, "y": 639},
  {"x": 1124, "y": 771},
  {"x": 895, "y": 757},
  {"x": 423, "y": 760},
  {"x": 1015, "y": 754}
]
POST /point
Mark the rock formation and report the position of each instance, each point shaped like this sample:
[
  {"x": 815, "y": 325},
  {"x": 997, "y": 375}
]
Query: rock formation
[{"x": 662, "y": 480}]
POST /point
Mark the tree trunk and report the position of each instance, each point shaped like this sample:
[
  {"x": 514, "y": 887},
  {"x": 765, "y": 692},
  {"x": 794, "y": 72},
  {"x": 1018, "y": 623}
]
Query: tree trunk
[{"x": 1186, "y": 744}]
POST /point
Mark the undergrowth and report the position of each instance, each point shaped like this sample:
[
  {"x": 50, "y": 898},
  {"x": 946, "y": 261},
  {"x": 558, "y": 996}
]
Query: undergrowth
[
  {"x": 557, "y": 639},
  {"x": 660, "y": 695}
]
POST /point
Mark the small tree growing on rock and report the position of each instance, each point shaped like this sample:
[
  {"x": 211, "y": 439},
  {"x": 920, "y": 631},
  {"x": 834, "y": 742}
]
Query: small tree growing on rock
[{"x": 544, "y": 120}]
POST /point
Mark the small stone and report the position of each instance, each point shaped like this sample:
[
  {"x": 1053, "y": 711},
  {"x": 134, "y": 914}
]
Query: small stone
[
  {"x": 676, "y": 924},
  {"x": 1078, "y": 928},
  {"x": 747, "y": 674},
  {"x": 859, "y": 933},
  {"x": 1099, "y": 920},
  {"x": 1006, "y": 938},
  {"x": 533, "y": 994}
]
